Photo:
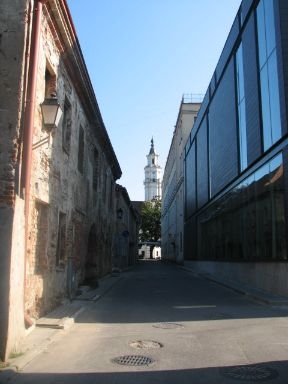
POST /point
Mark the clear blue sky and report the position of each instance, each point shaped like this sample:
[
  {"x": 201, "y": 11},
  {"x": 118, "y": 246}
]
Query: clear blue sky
[{"x": 142, "y": 56}]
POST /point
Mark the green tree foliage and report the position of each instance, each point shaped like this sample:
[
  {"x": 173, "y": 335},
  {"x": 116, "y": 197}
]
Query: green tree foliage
[{"x": 150, "y": 229}]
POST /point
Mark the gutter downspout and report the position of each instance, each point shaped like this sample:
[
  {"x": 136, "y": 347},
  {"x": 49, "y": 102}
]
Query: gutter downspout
[{"x": 29, "y": 125}]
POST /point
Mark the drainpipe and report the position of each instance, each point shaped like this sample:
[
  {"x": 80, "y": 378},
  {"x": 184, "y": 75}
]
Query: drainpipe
[{"x": 29, "y": 119}]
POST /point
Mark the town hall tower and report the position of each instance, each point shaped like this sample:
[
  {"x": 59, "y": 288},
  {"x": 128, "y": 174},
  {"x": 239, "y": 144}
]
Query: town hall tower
[{"x": 153, "y": 174}]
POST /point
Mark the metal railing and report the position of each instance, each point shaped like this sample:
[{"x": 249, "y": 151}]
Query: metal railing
[{"x": 192, "y": 98}]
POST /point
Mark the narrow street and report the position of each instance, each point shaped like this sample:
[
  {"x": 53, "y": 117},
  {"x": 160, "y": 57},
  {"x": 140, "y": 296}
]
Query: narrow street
[{"x": 161, "y": 324}]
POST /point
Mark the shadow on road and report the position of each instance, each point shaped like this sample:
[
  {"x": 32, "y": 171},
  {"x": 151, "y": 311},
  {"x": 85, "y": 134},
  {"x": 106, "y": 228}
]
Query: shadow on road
[
  {"x": 272, "y": 372},
  {"x": 160, "y": 292}
]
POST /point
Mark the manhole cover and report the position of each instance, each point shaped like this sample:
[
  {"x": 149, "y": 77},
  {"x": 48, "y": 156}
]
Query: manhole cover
[
  {"x": 167, "y": 325},
  {"x": 249, "y": 372},
  {"x": 133, "y": 360},
  {"x": 148, "y": 344}
]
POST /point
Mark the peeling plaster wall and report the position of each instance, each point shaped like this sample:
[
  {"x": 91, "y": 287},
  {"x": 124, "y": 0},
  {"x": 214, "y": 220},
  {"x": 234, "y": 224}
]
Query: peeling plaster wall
[
  {"x": 16, "y": 320},
  {"x": 13, "y": 23}
]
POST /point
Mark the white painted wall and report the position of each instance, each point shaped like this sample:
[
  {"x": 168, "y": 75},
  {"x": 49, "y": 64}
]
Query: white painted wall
[{"x": 172, "y": 186}]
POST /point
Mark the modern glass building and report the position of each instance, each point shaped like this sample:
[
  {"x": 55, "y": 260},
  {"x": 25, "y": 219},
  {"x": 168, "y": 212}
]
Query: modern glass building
[{"x": 236, "y": 157}]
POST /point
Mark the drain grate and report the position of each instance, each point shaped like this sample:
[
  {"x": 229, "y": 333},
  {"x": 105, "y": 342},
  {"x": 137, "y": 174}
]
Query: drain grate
[
  {"x": 167, "y": 325},
  {"x": 249, "y": 372},
  {"x": 145, "y": 344},
  {"x": 133, "y": 360}
]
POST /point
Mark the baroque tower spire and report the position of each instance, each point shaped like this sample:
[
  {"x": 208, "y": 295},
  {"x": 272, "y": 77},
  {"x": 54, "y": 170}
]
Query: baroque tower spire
[{"x": 153, "y": 175}]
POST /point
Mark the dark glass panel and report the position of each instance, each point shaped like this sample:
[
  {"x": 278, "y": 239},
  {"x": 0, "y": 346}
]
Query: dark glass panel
[
  {"x": 261, "y": 34},
  {"x": 269, "y": 74},
  {"x": 202, "y": 165},
  {"x": 279, "y": 242},
  {"x": 274, "y": 98},
  {"x": 190, "y": 242},
  {"x": 241, "y": 108},
  {"x": 267, "y": 138},
  {"x": 248, "y": 223},
  {"x": 240, "y": 74},
  {"x": 270, "y": 26},
  {"x": 249, "y": 218},
  {"x": 242, "y": 135},
  {"x": 190, "y": 182},
  {"x": 263, "y": 214},
  {"x": 223, "y": 137}
]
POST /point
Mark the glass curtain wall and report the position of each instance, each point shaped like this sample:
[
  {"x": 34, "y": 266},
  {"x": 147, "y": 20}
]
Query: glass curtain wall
[
  {"x": 248, "y": 222},
  {"x": 268, "y": 74}
]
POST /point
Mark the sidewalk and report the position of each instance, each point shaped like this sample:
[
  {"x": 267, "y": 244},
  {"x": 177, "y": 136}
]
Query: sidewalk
[{"x": 51, "y": 327}]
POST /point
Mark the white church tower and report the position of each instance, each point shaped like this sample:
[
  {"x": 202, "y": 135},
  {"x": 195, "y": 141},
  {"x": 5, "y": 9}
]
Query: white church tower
[{"x": 153, "y": 175}]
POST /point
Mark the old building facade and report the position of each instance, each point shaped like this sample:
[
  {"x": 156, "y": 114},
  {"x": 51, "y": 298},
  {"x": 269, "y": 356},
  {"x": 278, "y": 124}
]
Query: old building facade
[
  {"x": 126, "y": 233},
  {"x": 172, "y": 184},
  {"x": 57, "y": 185}
]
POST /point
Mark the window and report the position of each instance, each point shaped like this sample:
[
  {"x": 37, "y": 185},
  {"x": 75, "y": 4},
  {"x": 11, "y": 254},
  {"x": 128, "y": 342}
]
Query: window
[
  {"x": 268, "y": 74},
  {"x": 61, "y": 243},
  {"x": 41, "y": 228},
  {"x": 95, "y": 169},
  {"x": 241, "y": 109},
  {"x": 81, "y": 150},
  {"x": 105, "y": 176},
  {"x": 111, "y": 194},
  {"x": 50, "y": 83},
  {"x": 66, "y": 126}
]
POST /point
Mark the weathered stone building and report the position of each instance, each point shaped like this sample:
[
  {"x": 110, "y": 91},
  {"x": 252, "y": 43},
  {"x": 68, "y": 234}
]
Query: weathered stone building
[
  {"x": 127, "y": 228},
  {"x": 57, "y": 183}
]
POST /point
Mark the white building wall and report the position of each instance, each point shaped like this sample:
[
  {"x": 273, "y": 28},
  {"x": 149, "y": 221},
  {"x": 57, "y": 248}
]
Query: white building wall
[{"x": 172, "y": 185}]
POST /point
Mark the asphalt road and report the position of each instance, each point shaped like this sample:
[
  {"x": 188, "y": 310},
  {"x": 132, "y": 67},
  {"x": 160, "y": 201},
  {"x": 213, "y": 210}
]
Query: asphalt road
[{"x": 162, "y": 324}]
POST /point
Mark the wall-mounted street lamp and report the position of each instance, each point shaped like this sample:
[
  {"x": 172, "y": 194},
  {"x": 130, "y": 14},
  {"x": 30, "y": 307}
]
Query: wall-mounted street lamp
[
  {"x": 51, "y": 112},
  {"x": 51, "y": 115}
]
